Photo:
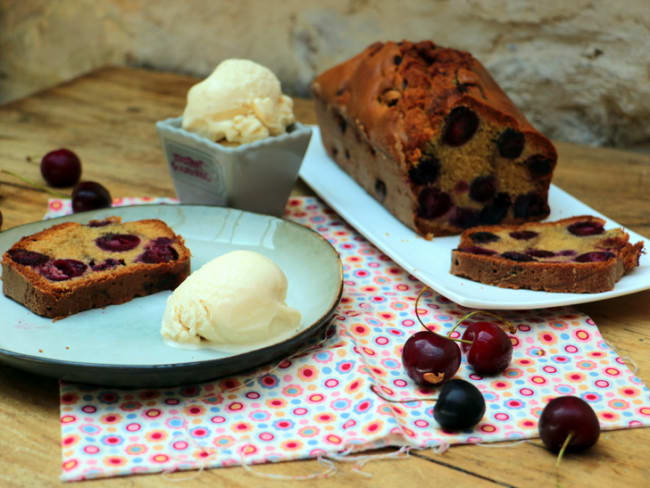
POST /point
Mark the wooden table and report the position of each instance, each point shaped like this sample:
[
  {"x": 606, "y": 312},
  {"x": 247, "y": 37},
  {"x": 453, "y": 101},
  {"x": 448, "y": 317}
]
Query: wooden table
[{"x": 108, "y": 117}]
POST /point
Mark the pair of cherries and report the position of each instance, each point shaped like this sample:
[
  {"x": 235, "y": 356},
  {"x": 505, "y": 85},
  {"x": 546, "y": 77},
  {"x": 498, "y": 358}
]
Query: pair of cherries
[
  {"x": 61, "y": 168},
  {"x": 433, "y": 359}
]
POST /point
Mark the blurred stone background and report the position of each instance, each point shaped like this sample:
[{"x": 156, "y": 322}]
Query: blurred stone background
[{"x": 579, "y": 69}]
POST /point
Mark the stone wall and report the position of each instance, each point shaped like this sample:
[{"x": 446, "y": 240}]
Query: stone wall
[{"x": 579, "y": 69}]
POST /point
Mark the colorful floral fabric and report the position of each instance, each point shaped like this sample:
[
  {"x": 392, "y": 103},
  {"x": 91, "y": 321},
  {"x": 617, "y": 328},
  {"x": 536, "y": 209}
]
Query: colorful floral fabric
[{"x": 349, "y": 392}]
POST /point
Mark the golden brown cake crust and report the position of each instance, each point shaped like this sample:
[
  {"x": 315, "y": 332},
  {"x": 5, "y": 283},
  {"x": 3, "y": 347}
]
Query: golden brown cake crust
[
  {"x": 396, "y": 99},
  {"x": 108, "y": 277},
  {"x": 559, "y": 259}
]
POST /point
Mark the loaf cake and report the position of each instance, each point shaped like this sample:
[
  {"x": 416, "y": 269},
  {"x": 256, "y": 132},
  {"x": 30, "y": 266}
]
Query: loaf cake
[
  {"x": 429, "y": 134},
  {"x": 575, "y": 255},
  {"x": 71, "y": 267}
]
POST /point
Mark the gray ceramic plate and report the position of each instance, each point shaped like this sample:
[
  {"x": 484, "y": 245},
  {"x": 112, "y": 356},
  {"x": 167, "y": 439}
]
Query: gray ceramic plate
[{"x": 120, "y": 345}]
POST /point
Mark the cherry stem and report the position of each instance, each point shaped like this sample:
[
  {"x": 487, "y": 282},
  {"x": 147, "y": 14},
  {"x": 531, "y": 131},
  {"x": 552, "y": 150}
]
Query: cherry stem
[
  {"x": 422, "y": 291},
  {"x": 563, "y": 448},
  {"x": 477, "y": 312},
  {"x": 35, "y": 186},
  {"x": 403, "y": 400}
]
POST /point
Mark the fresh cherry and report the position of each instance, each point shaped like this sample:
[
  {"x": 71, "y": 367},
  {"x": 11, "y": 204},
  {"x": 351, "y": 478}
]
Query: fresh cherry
[
  {"x": 90, "y": 195},
  {"x": 61, "y": 168},
  {"x": 568, "y": 415},
  {"x": 117, "y": 242},
  {"x": 490, "y": 350},
  {"x": 27, "y": 258},
  {"x": 460, "y": 126},
  {"x": 460, "y": 406},
  {"x": 430, "y": 359}
]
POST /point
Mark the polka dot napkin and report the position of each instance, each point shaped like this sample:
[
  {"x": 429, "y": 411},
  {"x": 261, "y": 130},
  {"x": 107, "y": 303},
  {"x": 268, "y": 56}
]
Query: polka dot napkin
[{"x": 321, "y": 401}]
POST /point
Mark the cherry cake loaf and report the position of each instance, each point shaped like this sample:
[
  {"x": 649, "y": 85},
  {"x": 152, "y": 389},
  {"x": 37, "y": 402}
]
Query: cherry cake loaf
[
  {"x": 428, "y": 132},
  {"x": 575, "y": 255},
  {"x": 72, "y": 267}
]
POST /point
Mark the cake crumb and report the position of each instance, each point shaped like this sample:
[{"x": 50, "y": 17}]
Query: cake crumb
[
  {"x": 40, "y": 350},
  {"x": 67, "y": 347}
]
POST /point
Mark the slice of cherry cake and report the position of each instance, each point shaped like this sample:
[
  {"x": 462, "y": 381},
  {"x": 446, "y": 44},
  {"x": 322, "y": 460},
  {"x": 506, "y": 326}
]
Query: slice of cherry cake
[
  {"x": 71, "y": 267},
  {"x": 575, "y": 255}
]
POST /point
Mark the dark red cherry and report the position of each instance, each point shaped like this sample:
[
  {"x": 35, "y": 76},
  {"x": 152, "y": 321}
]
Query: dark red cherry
[
  {"x": 531, "y": 205},
  {"x": 27, "y": 258},
  {"x": 61, "y": 168},
  {"x": 460, "y": 126},
  {"x": 380, "y": 190},
  {"x": 540, "y": 253},
  {"x": 158, "y": 251},
  {"x": 594, "y": 256},
  {"x": 517, "y": 256},
  {"x": 100, "y": 223},
  {"x": 586, "y": 228},
  {"x": 491, "y": 349},
  {"x": 568, "y": 415},
  {"x": 433, "y": 203},
  {"x": 567, "y": 252},
  {"x": 482, "y": 188},
  {"x": 90, "y": 195},
  {"x": 460, "y": 406},
  {"x": 117, "y": 242},
  {"x": 510, "y": 143},
  {"x": 483, "y": 237},
  {"x": 426, "y": 171},
  {"x": 62, "y": 269},
  {"x": 465, "y": 217},
  {"x": 523, "y": 235},
  {"x": 477, "y": 250},
  {"x": 538, "y": 165},
  {"x": 494, "y": 212},
  {"x": 430, "y": 359},
  {"x": 109, "y": 263}
]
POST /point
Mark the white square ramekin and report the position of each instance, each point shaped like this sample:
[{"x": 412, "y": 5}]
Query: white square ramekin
[{"x": 256, "y": 177}]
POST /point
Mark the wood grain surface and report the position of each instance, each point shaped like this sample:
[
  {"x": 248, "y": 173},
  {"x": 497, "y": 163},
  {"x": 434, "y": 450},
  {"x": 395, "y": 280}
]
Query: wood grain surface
[{"x": 107, "y": 118}]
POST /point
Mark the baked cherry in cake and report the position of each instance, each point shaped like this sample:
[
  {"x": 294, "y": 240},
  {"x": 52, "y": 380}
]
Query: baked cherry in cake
[
  {"x": 72, "y": 267},
  {"x": 430, "y": 123},
  {"x": 575, "y": 255}
]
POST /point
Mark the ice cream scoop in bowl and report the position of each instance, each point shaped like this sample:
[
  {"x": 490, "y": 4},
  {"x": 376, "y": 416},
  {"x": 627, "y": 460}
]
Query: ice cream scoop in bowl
[{"x": 237, "y": 143}]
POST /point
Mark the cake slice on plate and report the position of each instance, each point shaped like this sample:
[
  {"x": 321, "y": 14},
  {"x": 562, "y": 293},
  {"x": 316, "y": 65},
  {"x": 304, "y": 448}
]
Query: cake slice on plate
[
  {"x": 71, "y": 267},
  {"x": 575, "y": 255}
]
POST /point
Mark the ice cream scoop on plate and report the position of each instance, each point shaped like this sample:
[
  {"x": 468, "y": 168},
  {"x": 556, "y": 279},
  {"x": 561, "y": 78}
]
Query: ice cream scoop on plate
[{"x": 235, "y": 301}]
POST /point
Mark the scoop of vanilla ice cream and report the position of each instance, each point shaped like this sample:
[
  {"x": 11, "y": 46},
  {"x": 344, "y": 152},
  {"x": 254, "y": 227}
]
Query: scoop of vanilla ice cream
[
  {"x": 237, "y": 299},
  {"x": 241, "y": 101}
]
